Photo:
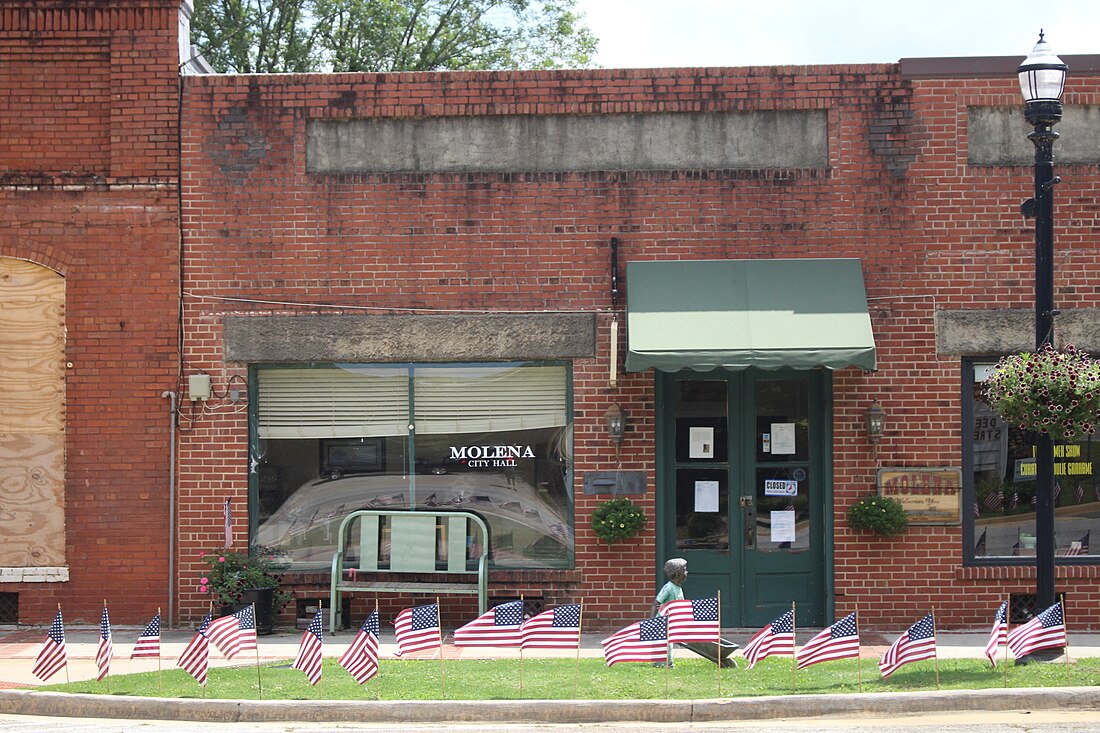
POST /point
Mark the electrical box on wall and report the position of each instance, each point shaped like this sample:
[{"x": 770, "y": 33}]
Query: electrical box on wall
[{"x": 198, "y": 387}]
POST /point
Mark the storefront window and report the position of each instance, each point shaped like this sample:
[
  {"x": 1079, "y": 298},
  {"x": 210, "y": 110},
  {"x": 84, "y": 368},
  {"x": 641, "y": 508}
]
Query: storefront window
[
  {"x": 1000, "y": 470},
  {"x": 495, "y": 440}
]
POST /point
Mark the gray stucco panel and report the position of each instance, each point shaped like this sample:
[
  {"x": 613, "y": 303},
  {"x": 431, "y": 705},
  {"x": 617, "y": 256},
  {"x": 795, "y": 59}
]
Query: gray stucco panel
[
  {"x": 516, "y": 143},
  {"x": 1011, "y": 330},
  {"x": 998, "y": 136},
  {"x": 404, "y": 338}
]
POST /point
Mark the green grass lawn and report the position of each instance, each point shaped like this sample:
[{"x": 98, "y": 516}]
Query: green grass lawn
[{"x": 564, "y": 679}]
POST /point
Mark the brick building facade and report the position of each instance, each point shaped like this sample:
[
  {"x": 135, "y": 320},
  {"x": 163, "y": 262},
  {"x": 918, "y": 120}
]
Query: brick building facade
[{"x": 346, "y": 224}]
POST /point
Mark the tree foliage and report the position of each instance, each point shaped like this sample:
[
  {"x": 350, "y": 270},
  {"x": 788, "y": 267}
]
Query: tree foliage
[{"x": 273, "y": 36}]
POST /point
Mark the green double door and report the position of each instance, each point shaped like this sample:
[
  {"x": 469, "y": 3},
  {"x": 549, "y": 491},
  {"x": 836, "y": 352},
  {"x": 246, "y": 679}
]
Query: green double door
[{"x": 743, "y": 486}]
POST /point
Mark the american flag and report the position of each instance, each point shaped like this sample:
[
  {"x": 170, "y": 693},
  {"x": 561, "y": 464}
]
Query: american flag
[
  {"x": 994, "y": 500},
  {"x": 558, "y": 628},
  {"x": 692, "y": 620},
  {"x": 148, "y": 644},
  {"x": 1045, "y": 631},
  {"x": 225, "y": 633},
  {"x": 196, "y": 655},
  {"x": 775, "y": 638},
  {"x": 309, "y": 651},
  {"x": 998, "y": 634},
  {"x": 227, "y": 511},
  {"x": 645, "y": 641},
  {"x": 499, "y": 626},
  {"x": 246, "y": 624},
  {"x": 980, "y": 549},
  {"x": 1081, "y": 546},
  {"x": 361, "y": 657},
  {"x": 106, "y": 646},
  {"x": 919, "y": 642},
  {"x": 1078, "y": 493},
  {"x": 839, "y": 641},
  {"x": 53, "y": 657},
  {"x": 417, "y": 629}
]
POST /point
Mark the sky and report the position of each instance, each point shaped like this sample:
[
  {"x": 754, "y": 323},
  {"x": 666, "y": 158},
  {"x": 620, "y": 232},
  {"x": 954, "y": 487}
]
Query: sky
[{"x": 663, "y": 33}]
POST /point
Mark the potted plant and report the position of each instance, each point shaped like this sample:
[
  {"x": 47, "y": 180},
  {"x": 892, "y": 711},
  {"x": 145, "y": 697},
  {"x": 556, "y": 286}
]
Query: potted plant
[
  {"x": 618, "y": 519},
  {"x": 882, "y": 515},
  {"x": 236, "y": 579},
  {"x": 1049, "y": 391}
]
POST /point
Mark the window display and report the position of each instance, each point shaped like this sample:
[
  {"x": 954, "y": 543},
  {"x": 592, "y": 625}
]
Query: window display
[{"x": 495, "y": 440}]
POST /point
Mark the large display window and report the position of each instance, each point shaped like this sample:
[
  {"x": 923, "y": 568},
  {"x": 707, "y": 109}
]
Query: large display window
[
  {"x": 492, "y": 439},
  {"x": 999, "y": 476}
]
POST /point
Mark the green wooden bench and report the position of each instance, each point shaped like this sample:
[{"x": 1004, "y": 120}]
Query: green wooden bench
[{"x": 378, "y": 542}]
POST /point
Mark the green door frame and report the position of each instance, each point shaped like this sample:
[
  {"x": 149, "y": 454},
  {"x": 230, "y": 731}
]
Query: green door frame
[{"x": 664, "y": 453}]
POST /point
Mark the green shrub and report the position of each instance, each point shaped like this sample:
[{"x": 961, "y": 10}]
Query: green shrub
[
  {"x": 617, "y": 519},
  {"x": 880, "y": 514}
]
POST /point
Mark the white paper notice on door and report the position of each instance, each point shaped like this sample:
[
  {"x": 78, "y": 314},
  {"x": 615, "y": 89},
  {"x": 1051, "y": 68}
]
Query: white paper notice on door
[
  {"x": 706, "y": 496},
  {"x": 783, "y": 526},
  {"x": 700, "y": 442},
  {"x": 782, "y": 438}
]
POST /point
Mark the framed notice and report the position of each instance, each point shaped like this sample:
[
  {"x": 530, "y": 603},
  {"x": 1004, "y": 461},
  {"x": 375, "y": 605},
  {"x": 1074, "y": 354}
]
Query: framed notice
[
  {"x": 929, "y": 495},
  {"x": 706, "y": 496},
  {"x": 782, "y": 438},
  {"x": 700, "y": 442}
]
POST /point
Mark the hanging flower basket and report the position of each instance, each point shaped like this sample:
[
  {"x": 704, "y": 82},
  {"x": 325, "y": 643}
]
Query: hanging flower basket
[
  {"x": 882, "y": 515},
  {"x": 1050, "y": 391},
  {"x": 617, "y": 519}
]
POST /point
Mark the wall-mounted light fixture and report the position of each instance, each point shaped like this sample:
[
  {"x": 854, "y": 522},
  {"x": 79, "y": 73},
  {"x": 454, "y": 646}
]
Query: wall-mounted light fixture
[
  {"x": 875, "y": 418},
  {"x": 616, "y": 422}
]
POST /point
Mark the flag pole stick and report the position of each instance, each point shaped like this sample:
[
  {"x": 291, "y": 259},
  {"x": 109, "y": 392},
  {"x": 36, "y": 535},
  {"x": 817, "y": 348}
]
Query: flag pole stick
[
  {"x": 1065, "y": 625},
  {"x": 794, "y": 635},
  {"x": 936, "y": 647},
  {"x": 577, "y": 660},
  {"x": 160, "y": 682},
  {"x": 259, "y": 679},
  {"x": 107, "y": 677},
  {"x": 521, "y": 646},
  {"x": 378, "y": 662},
  {"x": 859, "y": 657},
  {"x": 668, "y": 658},
  {"x": 321, "y": 681},
  {"x": 718, "y": 642},
  {"x": 207, "y": 655},
  {"x": 439, "y": 630},
  {"x": 66, "y": 653},
  {"x": 1008, "y": 613}
]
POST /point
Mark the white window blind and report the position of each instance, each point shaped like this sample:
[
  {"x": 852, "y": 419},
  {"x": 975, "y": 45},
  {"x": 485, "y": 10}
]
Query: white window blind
[
  {"x": 488, "y": 399},
  {"x": 332, "y": 403}
]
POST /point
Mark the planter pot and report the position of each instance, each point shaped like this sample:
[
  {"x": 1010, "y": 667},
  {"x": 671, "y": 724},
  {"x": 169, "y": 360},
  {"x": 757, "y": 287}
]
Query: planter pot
[{"x": 264, "y": 598}]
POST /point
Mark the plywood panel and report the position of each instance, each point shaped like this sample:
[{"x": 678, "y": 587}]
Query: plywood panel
[
  {"x": 32, "y": 415},
  {"x": 32, "y": 502}
]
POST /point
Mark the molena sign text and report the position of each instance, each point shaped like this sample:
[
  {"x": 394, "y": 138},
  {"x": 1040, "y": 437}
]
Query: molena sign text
[
  {"x": 491, "y": 456},
  {"x": 929, "y": 495}
]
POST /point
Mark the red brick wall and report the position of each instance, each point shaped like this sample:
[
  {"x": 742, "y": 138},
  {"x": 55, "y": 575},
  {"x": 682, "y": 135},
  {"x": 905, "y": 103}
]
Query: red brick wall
[
  {"x": 931, "y": 232},
  {"x": 89, "y": 188}
]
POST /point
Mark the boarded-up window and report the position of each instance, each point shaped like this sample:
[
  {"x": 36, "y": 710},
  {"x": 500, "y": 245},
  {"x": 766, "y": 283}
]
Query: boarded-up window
[{"x": 32, "y": 415}]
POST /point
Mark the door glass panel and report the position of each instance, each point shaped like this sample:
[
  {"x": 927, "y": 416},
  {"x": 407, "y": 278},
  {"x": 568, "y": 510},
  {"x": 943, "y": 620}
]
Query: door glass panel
[
  {"x": 701, "y": 421},
  {"x": 782, "y": 421},
  {"x": 782, "y": 508},
  {"x": 702, "y": 515},
  {"x": 782, "y": 482}
]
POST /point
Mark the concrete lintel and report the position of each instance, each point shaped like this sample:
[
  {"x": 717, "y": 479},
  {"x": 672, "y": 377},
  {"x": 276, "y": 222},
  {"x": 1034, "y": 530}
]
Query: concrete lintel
[
  {"x": 409, "y": 338},
  {"x": 1011, "y": 330}
]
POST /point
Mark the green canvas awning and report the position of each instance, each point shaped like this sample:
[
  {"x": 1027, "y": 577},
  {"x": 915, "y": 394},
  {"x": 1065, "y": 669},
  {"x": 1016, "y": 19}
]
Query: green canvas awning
[{"x": 736, "y": 314}]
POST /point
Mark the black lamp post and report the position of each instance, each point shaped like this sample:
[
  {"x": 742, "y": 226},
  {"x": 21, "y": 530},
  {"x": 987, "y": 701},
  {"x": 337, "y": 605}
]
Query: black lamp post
[{"x": 1042, "y": 79}]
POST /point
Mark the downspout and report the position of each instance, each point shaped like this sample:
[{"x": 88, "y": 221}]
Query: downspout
[{"x": 171, "y": 505}]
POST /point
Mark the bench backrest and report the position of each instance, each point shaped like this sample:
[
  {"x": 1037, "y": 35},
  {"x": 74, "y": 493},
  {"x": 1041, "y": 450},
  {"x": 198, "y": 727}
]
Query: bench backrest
[{"x": 408, "y": 541}]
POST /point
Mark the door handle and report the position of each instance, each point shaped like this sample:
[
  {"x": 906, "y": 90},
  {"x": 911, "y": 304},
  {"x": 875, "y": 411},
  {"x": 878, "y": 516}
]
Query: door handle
[{"x": 749, "y": 517}]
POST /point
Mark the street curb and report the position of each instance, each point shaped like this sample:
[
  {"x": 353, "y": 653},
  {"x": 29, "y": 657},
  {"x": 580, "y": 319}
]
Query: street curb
[{"x": 869, "y": 704}]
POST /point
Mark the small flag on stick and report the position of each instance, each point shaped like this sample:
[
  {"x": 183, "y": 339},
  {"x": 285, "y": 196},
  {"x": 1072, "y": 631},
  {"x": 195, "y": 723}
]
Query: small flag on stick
[
  {"x": 309, "y": 650},
  {"x": 148, "y": 644},
  {"x": 53, "y": 656},
  {"x": 105, "y": 647}
]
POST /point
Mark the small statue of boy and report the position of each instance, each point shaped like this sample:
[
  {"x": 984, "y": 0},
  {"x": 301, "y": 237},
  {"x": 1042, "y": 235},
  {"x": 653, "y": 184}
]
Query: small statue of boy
[{"x": 676, "y": 570}]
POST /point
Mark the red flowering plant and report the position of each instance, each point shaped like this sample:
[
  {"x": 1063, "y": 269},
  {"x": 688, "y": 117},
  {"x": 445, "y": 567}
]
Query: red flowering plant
[
  {"x": 1049, "y": 391},
  {"x": 232, "y": 572}
]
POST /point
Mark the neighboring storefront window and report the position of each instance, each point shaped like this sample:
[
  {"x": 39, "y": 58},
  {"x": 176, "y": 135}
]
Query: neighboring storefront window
[
  {"x": 1000, "y": 471},
  {"x": 495, "y": 440}
]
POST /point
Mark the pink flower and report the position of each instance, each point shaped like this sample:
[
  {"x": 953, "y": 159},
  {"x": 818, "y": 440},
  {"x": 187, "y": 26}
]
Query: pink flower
[
  {"x": 221, "y": 559},
  {"x": 202, "y": 589},
  {"x": 204, "y": 580},
  {"x": 202, "y": 553}
]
